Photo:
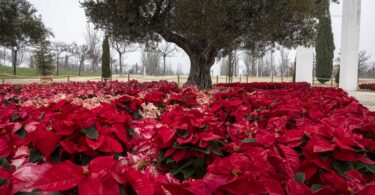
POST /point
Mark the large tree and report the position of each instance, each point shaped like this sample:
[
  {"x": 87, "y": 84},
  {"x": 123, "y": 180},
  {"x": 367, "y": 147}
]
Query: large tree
[
  {"x": 20, "y": 26},
  {"x": 325, "y": 47},
  {"x": 204, "y": 28}
]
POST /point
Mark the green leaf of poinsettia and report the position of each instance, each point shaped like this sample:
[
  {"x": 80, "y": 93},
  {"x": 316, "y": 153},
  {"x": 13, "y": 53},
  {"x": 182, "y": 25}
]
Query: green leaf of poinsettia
[
  {"x": 122, "y": 190},
  {"x": 342, "y": 167},
  {"x": 4, "y": 163},
  {"x": 131, "y": 132},
  {"x": 22, "y": 133},
  {"x": 183, "y": 134},
  {"x": 35, "y": 192},
  {"x": 2, "y": 182},
  {"x": 300, "y": 177},
  {"x": 92, "y": 133},
  {"x": 181, "y": 146},
  {"x": 14, "y": 117},
  {"x": 35, "y": 155},
  {"x": 187, "y": 172},
  {"x": 370, "y": 168},
  {"x": 181, "y": 167},
  {"x": 249, "y": 140},
  {"x": 206, "y": 151},
  {"x": 316, "y": 187}
]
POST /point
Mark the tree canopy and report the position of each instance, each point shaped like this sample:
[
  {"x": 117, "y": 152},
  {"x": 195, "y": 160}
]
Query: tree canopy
[
  {"x": 204, "y": 28},
  {"x": 20, "y": 26}
]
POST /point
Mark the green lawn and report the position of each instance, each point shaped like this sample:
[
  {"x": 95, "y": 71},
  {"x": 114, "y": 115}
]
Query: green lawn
[{"x": 32, "y": 72}]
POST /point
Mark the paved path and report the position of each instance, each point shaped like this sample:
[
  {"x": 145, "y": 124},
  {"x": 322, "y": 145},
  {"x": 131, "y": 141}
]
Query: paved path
[{"x": 365, "y": 97}]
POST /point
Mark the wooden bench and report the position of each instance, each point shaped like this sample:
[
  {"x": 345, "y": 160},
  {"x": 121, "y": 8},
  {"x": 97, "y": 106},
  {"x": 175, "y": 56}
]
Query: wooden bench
[{"x": 46, "y": 79}]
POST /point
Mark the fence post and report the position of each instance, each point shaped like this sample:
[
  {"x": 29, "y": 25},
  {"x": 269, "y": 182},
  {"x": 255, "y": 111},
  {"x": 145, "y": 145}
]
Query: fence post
[
  {"x": 128, "y": 76},
  {"x": 68, "y": 78},
  {"x": 240, "y": 78},
  {"x": 217, "y": 79},
  {"x": 247, "y": 78},
  {"x": 313, "y": 81},
  {"x": 272, "y": 79},
  {"x": 178, "y": 80}
]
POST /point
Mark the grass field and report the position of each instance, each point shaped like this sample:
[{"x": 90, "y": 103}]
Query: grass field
[{"x": 22, "y": 71}]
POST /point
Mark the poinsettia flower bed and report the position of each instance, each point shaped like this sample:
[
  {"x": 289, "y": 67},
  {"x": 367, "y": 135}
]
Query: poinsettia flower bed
[
  {"x": 260, "y": 85},
  {"x": 369, "y": 86},
  {"x": 156, "y": 138}
]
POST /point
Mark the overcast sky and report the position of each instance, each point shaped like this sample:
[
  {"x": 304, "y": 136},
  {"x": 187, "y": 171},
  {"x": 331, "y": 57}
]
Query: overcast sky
[{"x": 67, "y": 20}]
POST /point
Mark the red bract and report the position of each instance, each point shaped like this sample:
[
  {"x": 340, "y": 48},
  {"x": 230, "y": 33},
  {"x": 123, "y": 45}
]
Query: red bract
[
  {"x": 100, "y": 176},
  {"x": 156, "y": 138},
  {"x": 369, "y": 86}
]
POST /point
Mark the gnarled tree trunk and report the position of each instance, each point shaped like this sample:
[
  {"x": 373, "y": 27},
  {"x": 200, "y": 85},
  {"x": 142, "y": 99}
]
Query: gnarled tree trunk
[
  {"x": 202, "y": 57},
  {"x": 200, "y": 71}
]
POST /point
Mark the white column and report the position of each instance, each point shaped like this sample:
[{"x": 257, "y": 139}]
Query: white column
[
  {"x": 304, "y": 66},
  {"x": 351, "y": 17}
]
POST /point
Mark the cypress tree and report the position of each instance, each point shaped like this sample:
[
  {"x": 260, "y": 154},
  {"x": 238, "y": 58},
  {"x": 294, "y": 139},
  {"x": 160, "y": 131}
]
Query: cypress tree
[
  {"x": 324, "y": 48},
  {"x": 44, "y": 59},
  {"x": 106, "y": 60}
]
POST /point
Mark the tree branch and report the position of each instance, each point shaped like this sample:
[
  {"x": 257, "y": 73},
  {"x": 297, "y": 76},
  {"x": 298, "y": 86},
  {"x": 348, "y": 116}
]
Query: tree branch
[{"x": 178, "y": 40}]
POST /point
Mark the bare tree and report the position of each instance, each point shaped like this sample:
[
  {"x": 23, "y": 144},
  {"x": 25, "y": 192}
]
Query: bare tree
[
  {"x": 231, "y": 66},
  {"x": 4, "y": 55},
  {"x": 31, "y": 62},
  {"x": 170, "y": 70},
  {"x": 58, "y": 48},
  {"x": 113, "y": 64},
  {"x": 251, "y": 61},
  {"x": 284, "y": 61},
  {"x": 267, "y": 69},
  {"x": 94, "y": 43},
  {"x": 166, "y": 50},
  {"x": 66, "y": 62},
  {"x": 363, "y": 62},
  {"x": 80, "y": 52},
  {"x": 236, "y": 65},
  {"x": 272, "y": 65},
  {"x": 223, "y": 67},
  {"x": 122, "y": 46},
  {"x": 19, "y": 54},
  {"x": 179, "y": 70},
  {"x": 150, "y": 60}
]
